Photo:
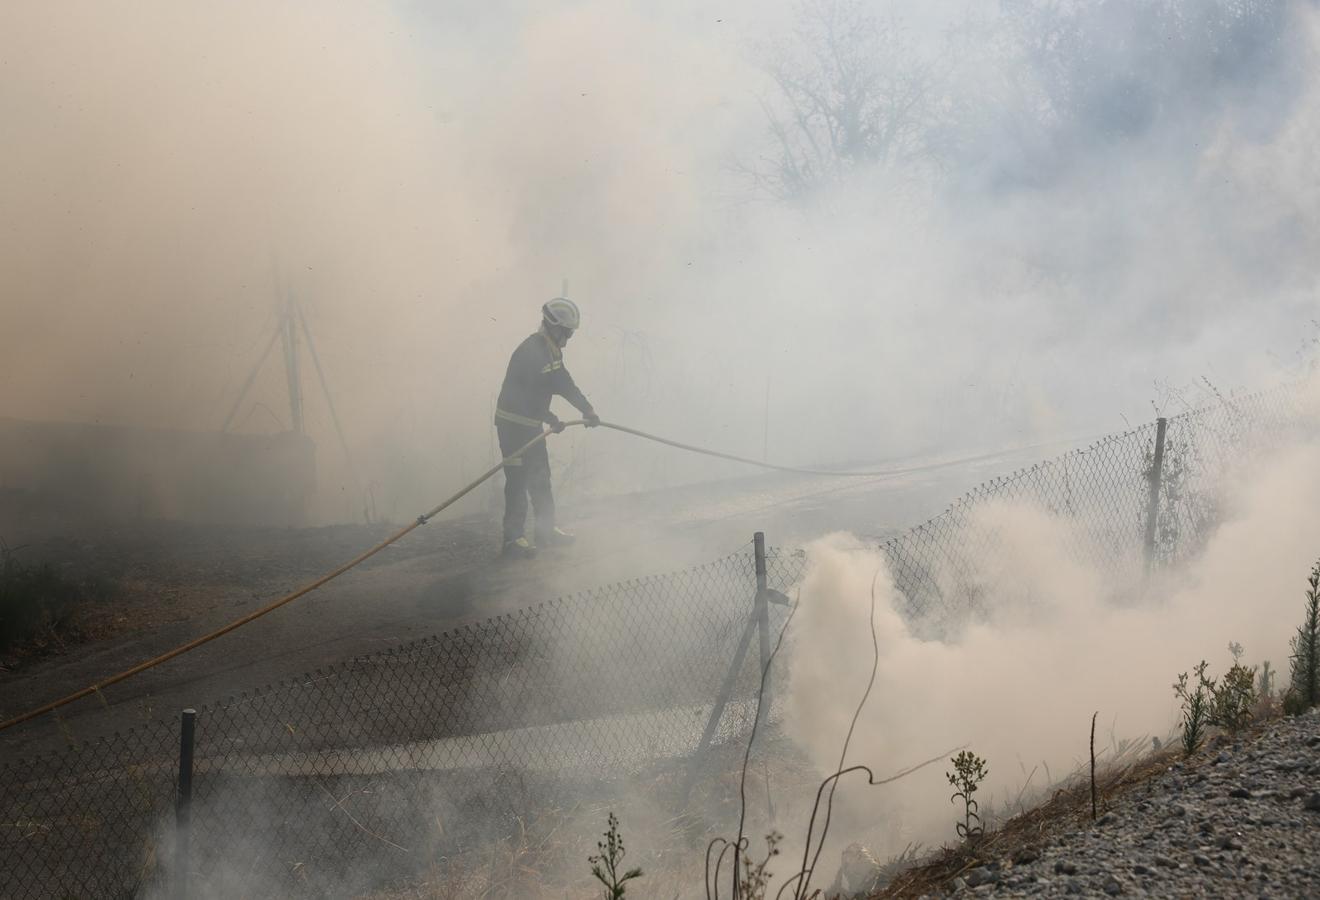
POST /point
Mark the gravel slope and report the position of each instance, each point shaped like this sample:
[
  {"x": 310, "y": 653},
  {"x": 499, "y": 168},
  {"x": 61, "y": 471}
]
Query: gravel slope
[{"x": 1241, "y": 820}]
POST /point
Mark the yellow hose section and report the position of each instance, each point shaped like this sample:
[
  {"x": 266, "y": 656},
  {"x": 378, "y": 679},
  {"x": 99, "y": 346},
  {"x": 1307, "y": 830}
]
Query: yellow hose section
[
  {"x": 422, "y": 520},
  {"x": 275, "y": 604}
]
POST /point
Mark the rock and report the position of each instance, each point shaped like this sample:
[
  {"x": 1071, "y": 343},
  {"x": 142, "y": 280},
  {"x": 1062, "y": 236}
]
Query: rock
[
  {"x": 1112, "y": 886},
  {"x": 1166, "y": 862},
  {"x": 1026, "y": 856},
  {"x": 958, "y": 884},
  {"x": 1140, "y": 869},
  {"x": 1228, "y": 842},
  {"x": 1240, "y": 793},
  {"x": 981, "y": 875},
  {"x": 859, "y": 872},
  {"x": 1200, "y": 859}
]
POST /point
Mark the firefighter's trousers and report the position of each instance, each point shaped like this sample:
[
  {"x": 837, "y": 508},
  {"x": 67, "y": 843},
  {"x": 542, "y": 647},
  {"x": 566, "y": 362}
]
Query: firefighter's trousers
[{"x": 529, "y": 475}]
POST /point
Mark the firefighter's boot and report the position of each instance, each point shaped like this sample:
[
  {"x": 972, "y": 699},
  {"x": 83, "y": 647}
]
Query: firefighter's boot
[
  {"x": 555, "y": 537},
  {"x": 519, "y": 549}
]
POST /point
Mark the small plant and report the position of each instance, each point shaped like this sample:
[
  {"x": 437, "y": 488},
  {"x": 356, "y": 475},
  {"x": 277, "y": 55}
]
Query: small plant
[
  {"x": 605, "y": 865},
  {"x": 755, "y": 880},
  {"x": 1227, "y": 703},
  {"x": 1265, "y": 681},
  {"x": 1232, "y": 700},
  {"x": 968, "y": 772},
  {"x": 1195, "y": 709},
  {"x": 1266, "y": 696},
  {"x": 1304, "y": 684}
]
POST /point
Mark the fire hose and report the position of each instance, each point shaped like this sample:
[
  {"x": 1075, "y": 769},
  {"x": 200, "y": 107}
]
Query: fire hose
[{"x": 422, "y": 520}]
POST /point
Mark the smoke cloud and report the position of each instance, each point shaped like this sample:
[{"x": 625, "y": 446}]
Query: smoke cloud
[
  {"x": 1054, "y": 641},
  {"x": 1096, "y": 204}
]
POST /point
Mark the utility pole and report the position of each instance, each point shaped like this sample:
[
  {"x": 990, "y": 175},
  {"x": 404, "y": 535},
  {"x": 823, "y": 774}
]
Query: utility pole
[
  {"x": 183, "y": 805},
  {"x": 289, "y": 334},
  {"x": 1156, "y": 481},
  {"x": 330, "y": 404}
]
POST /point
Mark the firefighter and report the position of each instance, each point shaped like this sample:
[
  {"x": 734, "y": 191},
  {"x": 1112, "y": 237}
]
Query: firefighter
[{"x": 536, "y": 373}]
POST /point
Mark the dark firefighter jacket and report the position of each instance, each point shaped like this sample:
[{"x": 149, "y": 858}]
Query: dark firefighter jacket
[{"x": 536, "y": 373}]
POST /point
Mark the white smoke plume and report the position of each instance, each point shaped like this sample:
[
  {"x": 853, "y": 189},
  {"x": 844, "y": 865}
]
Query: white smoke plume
[
  {"x": 1020, "y": 683},
  {"x": 1078, "y": 226}
]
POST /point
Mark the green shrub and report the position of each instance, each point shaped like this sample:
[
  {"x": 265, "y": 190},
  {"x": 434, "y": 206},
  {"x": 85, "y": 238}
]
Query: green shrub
[
  {"x": 1304, "y": 687},
  {"x": 1195, "y": 709},
  {"x": 1233, "y": 699},
  {"x": 1227, "y": 703}
]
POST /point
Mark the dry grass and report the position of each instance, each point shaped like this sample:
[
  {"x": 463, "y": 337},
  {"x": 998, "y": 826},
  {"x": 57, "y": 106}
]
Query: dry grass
[
  {"x": 545, "y": 855},
  {"x": 43, "y": 609}
]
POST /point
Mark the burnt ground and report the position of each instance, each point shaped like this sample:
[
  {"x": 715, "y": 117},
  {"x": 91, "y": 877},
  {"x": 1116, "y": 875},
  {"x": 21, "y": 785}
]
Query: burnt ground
[{"x": 174, "y": 581}]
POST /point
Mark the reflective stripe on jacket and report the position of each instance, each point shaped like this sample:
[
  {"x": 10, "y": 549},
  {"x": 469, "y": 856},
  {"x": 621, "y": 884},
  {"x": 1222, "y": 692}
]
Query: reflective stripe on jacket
[{"x": 536, "y": 373}]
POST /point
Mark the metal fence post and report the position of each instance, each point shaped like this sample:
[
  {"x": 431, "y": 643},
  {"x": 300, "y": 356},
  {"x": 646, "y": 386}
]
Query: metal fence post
[
  {"x": 1156, "y": 481},
  {"x": 183, "y": 804},
  {"x": 758, "y": 621},
  {"x": 762, "y": 611}
]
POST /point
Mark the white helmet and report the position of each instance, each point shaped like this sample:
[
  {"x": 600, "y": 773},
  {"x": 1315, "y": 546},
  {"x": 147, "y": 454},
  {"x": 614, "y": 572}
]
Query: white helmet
[{"x": 562, "y": 312}]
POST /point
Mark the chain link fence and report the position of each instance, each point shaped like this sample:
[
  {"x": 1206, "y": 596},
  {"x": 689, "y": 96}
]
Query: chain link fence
[
  {"x": 351, "y": 775},
  {"x": 359, "y": 774},
  {"x": 1104, "y": 493}
]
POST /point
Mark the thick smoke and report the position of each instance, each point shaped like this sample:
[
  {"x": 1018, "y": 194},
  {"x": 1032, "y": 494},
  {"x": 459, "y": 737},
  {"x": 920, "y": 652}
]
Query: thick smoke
[
  {"x": 1101, "y": 196},
  {"x": 1053, "y": 640}
]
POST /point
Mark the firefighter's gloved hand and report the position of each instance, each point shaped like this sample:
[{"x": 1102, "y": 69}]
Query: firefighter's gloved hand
[
  {"x": 556, "y": 426},
  {"x": 591, "y": 420}
]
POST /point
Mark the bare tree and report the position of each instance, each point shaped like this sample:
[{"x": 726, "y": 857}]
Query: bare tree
[
  {"x": 851, "y": 92},
  {"x": 1014, "y": 93}
]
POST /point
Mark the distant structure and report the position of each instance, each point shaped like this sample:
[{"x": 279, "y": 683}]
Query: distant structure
[
  {"x": 121, "y": 472},
  {"x": 222, "y": 477}
]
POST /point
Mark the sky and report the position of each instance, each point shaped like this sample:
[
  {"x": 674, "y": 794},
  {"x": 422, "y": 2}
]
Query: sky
[{"x": 1098, "y": 210}]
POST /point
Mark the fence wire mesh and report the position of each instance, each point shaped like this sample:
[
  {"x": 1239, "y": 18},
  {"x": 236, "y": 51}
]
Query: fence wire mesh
[
  {"x": 353, "y": 775},
  {"x": 1103, "y": 492}
]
